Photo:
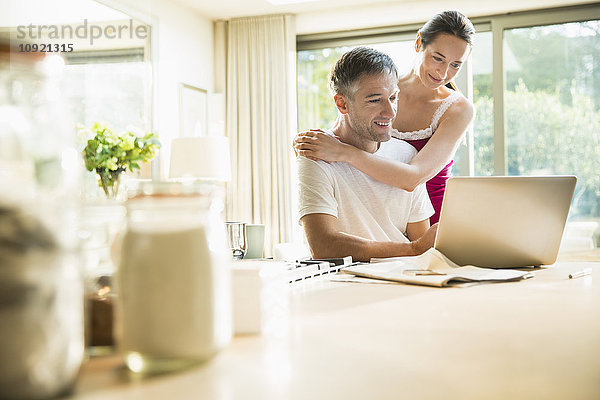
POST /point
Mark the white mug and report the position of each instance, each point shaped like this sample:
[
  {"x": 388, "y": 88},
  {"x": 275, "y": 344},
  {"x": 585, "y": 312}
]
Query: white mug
[{"x": 255, "y": 237}]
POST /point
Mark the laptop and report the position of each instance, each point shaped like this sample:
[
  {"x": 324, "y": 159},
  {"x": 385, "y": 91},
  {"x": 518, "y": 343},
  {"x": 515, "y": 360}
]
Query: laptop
[{"x": 504, "y": 221}]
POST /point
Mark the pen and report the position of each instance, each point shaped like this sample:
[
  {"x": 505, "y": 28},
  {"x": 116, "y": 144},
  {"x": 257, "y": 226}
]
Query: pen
[{"x": 579, "y": 274}]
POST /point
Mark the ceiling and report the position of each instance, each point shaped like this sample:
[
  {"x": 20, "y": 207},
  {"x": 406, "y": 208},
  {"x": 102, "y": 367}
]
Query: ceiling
[
  {"x": 41, "y": 12},
  {"x": 239, "y": 8},
  {"x": 313, "y": 15}
]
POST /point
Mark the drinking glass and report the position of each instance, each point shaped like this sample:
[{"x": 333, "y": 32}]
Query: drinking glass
[{"x": 236, "y": 239}]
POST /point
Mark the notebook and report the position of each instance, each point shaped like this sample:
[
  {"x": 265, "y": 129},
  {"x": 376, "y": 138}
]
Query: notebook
[
  {"x": 504, "y": 221},
  {"x": 431, "y": 268}
]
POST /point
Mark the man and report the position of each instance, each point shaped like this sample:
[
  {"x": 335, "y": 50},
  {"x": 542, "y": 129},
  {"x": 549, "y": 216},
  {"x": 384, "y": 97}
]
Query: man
[{"x": 344, "y": 211}]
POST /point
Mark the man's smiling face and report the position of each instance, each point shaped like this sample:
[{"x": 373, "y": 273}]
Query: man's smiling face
[{"x": 373, "y": 107}]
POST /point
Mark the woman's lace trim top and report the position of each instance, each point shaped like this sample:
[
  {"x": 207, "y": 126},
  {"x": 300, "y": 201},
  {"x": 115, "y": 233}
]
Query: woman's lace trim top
[{"x": 427, "y": 132}]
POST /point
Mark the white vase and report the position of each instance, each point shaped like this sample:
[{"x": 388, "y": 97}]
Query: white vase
[{"x": 101, "y": 225}]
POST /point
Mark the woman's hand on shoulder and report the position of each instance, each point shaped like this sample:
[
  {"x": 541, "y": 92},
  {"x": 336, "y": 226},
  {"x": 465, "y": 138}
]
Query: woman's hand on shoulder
[{"x": 317, "y": 145}]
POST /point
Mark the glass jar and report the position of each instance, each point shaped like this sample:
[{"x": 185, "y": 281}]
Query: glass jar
[
  {"x": 102, "y": 224},
  {"x": 41, "y": 288},
  {"x": 173, "y": 281}
]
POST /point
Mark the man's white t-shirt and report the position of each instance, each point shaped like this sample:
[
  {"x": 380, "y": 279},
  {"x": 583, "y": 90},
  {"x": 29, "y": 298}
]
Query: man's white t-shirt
[{"x": 362, "y": 205}]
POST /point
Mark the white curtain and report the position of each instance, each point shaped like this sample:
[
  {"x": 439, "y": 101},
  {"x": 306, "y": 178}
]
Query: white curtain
[{"x": 260, "y": 87}]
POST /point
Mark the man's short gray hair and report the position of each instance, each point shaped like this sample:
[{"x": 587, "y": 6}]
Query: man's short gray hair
[{"x": 356, "y": 63}]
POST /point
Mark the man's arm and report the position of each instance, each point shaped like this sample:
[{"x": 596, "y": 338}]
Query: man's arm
[
  {"x": 326, "y": 241},
  {"x": 415, "y": 230}
]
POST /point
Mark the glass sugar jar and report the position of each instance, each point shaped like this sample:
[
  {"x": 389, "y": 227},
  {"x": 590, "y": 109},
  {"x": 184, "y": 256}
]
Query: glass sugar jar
[
  {"x": 41, "y": 288},
  {"x": 173, "y": 280}
]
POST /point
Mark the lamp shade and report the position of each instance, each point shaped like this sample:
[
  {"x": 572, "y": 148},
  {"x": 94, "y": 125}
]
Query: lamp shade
[{"x": 204, "y": 157}]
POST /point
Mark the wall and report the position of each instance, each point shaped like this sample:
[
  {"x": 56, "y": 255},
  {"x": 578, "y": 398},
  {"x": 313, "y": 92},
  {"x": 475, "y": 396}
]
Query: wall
[{"x": 182, "y": 52}]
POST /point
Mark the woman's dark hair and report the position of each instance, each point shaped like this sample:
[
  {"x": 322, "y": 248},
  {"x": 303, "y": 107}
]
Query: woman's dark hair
[
  {"x": 355, "y": 63},
  {"x": 449, "y": 22}
]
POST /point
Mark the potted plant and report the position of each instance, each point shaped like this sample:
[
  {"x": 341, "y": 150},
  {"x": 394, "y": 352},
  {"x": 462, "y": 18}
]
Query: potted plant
[{"x": 110, "y": 154}]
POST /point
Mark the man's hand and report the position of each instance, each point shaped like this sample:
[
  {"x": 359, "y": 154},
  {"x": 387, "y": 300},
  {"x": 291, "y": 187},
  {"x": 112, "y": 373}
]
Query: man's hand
[{"x": 426, "y": 241}]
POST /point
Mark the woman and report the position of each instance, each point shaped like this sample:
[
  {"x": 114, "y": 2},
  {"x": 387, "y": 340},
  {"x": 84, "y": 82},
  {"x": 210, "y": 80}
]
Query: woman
[{"x": 432, "y": 115}]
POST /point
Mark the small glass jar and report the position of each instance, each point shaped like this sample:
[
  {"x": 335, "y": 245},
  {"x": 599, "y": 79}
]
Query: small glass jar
[{"x": 173, "y": 281}]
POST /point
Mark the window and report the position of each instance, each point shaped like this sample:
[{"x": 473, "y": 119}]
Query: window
[
  {"x": 537, "y": 98},
  {"x": 112, "y": 87},
  {"x": 117, "y": 93}
]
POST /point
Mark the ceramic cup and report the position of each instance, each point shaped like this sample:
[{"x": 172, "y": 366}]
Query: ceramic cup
[{"x": 255, "y": 236}]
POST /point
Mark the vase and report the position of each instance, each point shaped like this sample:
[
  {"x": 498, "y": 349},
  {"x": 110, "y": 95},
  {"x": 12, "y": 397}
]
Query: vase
[
  {"x": 101, "y": 225},
  {"x": 110, "y": 182}
]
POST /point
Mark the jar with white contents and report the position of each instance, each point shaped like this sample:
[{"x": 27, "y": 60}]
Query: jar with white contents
[{"x": 173, "y": 280}]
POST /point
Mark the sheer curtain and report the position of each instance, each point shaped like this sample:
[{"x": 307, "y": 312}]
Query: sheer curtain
[{"x": 260, "y": 87}]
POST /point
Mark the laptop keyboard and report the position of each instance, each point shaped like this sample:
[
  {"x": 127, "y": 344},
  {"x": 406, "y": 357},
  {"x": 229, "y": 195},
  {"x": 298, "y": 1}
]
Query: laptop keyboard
[{"x": 306, "y": 269}]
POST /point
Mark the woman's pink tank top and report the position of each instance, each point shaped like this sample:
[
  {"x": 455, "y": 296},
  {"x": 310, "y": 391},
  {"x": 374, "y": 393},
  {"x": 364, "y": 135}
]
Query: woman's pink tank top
[{"x": 436, "y": 185}]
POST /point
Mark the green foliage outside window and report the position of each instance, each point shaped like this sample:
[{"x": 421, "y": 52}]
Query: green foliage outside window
[
  {"x": 315, "y": 103},
  {"x": 555, "y": 138}
]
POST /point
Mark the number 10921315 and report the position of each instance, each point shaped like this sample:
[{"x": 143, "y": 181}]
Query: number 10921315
[{"x": 46, "y": 48}]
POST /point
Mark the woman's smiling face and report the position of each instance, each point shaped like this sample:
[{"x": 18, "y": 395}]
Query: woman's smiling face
[{"x": 440, "y": 61}]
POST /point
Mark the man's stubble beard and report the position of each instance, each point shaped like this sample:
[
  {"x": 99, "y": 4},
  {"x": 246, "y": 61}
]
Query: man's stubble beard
[{"x": 365, "y": 132}]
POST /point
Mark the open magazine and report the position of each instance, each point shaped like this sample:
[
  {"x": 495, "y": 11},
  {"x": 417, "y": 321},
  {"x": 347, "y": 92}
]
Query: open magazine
[{"x": 431, "y": 268}]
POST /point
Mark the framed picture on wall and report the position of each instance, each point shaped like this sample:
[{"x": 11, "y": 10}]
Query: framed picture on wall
[{"x": 193, "y": 110}]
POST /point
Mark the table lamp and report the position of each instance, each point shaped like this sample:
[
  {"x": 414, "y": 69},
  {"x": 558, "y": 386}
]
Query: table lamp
[{"x": 205, "y": 158}]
